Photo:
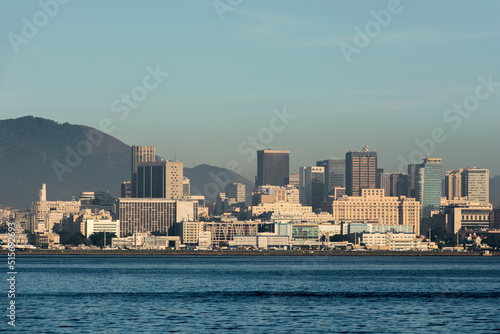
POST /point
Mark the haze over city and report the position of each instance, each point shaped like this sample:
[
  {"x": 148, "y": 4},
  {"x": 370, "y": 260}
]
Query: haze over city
[{"x": 226, "y": 71}]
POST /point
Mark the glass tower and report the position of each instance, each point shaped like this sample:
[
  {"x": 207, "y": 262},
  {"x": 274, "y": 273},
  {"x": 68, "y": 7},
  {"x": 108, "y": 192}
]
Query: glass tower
[{"x": 428, "y": 185}]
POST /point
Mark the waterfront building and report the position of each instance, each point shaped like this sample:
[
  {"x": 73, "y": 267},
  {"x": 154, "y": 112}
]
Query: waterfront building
[
  {"x": 396, "y": 242},
  {"x": 140, "y": 215},
  {"x": 45, "y": 214},
  {"x": 374, "y": 206}
]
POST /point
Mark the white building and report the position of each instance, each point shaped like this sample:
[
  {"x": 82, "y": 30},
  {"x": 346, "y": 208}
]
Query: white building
[
  {"x": 102, "y": 225},
  {"x": 396, "y": 242}
]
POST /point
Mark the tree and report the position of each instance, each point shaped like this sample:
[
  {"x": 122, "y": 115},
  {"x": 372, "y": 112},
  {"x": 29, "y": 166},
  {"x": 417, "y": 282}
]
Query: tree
[
  {"x": 342, "y": 237},
  {"x": 70, "y": 238},
  {"x": 493, "y": 241},
  {"x": 97, "y": 238}
]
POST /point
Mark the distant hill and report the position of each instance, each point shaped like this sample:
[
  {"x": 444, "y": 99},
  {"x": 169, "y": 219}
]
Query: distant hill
[{"x": 75, "y": 158}]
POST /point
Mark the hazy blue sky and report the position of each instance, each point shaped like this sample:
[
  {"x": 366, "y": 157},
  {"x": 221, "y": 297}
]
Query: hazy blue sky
[{"x": 227, "y": 75}]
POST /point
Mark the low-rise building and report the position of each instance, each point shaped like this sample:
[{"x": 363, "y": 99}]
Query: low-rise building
[{"x": 396, "y": 242}]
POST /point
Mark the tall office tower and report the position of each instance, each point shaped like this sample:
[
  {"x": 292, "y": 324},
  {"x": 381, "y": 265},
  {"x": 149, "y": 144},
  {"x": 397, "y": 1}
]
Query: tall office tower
[
  {"x": 399, "y": 184},
  {"x": 273, "y": 167},
  {"x": 334, "y": 174},
  {"x": 360, "y": 171},
  {"x": 378, "y": 179},
  {"x": 476, "y": 185},
  {"x": 186, "y": 187},
  {"x": 236, "y": 191},
  {"x": 453, "y": 184},
  {"x": 294, "y": 180},
  {"x": 162, "y": 179},
  {"x": 428, "y": 185},
  {"x": 313, "y": 180},
  {"x": 126, "y": 189},
  {"x": 384, "y": 182},
  {"x": 140, "y": 154},
  {"x": 412, "y": 171}
]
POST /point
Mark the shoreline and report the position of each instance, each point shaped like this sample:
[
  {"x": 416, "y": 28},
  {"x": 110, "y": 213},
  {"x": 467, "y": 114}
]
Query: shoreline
[{"x": 238, "y": 253}]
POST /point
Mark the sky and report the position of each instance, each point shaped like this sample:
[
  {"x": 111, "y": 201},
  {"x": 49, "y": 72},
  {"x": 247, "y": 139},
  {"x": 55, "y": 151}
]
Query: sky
[{"x": 212, "y": 81}]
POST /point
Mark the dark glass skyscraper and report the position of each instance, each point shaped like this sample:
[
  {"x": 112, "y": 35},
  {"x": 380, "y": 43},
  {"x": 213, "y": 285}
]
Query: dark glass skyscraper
[
  {"x": 273, "y": 167},
  {"x": 334, "y": 174},
  {"x": 360, "y": 171}
]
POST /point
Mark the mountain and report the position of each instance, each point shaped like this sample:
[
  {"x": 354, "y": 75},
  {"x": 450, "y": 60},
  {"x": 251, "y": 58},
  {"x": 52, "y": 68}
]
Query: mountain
[
  {"x": 495, "y": 191},
  {"x": 75, "y": 158}
]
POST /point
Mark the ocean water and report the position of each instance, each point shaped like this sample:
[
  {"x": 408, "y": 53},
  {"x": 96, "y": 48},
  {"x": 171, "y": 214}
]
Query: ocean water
[{"x": 255, "y": 294}]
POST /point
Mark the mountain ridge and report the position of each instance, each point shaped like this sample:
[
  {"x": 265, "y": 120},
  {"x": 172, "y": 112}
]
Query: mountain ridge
[{"x": 73, "y": 158}]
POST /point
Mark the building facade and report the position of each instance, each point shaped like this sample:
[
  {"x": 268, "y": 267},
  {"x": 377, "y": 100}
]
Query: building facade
[
  {"x": 374, "y": 206},
  {"x": 361, "y": 171},
  {"x": 140, "y": 154},
  {"x": 273, "y": 167},
  {"x": 428, "y": 186},
  {"x": 140, "y": 215}
]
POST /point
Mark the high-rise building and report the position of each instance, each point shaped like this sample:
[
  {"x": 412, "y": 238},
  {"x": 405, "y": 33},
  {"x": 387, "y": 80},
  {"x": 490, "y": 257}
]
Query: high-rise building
[
  {"x": 468, "y": 184},
  {"x": 186, "y": 187},
  {"x": 140, "y": 154},
  {"x": 399, "y": 184},
  {"x": 453, "y": 184},
  {"x": 334, "y": 174},
  {"x": 476, "y": 185},
  {"x": 126, "y": 189},
  {"x": 313, "y": 186},
  {"x": 412, "y": 172},
  {"x": 236, "y": 191},
  {"x": 162, "y": 179},
  {"x": 428, "y": 185},
  {"x": 294, "y": 180},
  {"x": 360, "y": 170},
  {"x": 273, "y": 167}
]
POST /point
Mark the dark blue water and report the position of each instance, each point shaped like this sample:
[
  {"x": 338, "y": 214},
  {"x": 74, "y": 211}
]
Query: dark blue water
[{"x": 254, "y": 294}]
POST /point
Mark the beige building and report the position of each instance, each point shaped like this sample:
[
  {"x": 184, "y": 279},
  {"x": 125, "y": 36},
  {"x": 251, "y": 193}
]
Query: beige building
[
  {"x": 140, "y": 215},
  {"x": 396, "y": 242},
  {"x": 471, "y": 184},
  {"x": 372, "y": 205},
  {"x": 189, "y": 231},
  {"x": 45, "y": 214},
  {"x": 225, "y": 231}
]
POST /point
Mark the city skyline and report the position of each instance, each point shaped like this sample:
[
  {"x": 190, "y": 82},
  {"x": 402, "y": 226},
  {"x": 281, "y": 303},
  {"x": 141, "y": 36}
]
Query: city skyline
[{"x": 235, "y": 76}]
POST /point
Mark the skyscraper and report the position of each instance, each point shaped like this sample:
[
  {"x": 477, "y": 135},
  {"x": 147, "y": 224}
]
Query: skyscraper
[
  {"x": 428, "y": 185},
  {"x": 334, "y": 174},
  {"x": 140, "y": 154},
  {"x": 273, "y": 167},
  {"x": 471, "y": 184},
  {"x": 162, "y": 179},
  {"x": 476, "y": 185},
  {"x": 453, "y": 184},
  {"x": 360, "y": 170},
  {"x": 313, "y": 186}
]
